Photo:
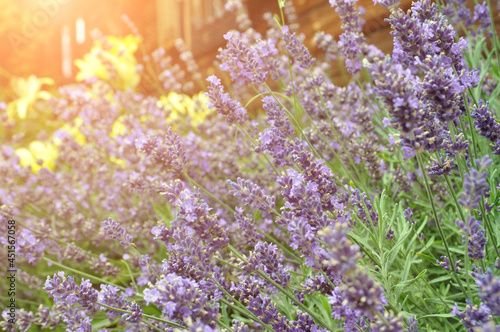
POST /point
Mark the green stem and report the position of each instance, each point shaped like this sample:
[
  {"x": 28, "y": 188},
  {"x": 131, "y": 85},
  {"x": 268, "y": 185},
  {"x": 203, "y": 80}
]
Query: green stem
[
  {"x": 147, "y": 264},
  {"x": 441, "y": 233},
  {"x": 90, "y": 276},
  {"x": 281, "y": 289},
  {"x": 131, "y": 275},
  {"x": 208, "y": 193},
  {"x": 144, "y": 315},
  {"x": 245, "y": 309}
]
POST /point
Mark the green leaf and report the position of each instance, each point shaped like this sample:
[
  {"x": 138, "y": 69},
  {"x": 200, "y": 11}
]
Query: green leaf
[
  {"x": 411, "y": 281},
  {"x": 436, "y": 315},
  {"x": 97, "y": 325},
  {"x": 428, "y": 258}
]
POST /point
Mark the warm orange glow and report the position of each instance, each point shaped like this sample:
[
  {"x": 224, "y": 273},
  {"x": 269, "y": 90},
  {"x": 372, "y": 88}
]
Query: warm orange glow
[{"x": 80, "y": 31}]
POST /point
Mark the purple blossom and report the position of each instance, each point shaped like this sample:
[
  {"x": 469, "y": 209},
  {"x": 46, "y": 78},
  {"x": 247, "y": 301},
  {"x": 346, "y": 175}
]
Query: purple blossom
[
  {"x": 475, "y": 184},
  {"x": 265, "y": 258},
  {"x": 168, "y": 153},
  {"x": 408, "y": 214},
  {"x": 475, "y": 237},
  {"x": 389, "y": 4},
  {"x": 486, "y": 124},
  {"x": 109, "y": 296},
  {"x": 179, "y": 298},
  {"x": 275, "y": 140},
  {"x": 352, "y": 38},
  {"x": 364, "y": 294},
  {"x": 194, "y": 218},
  {"x": 395, "y": 86},
  {"x": 473, "y": 316},
  {"x": 297, "y": 49},
  {"x": 444, "y": 263},
  {"x": 251, "y": 194},
  {"x": 412, "y": 324},
  {"x": 117, "y": 232},
  {"x": 441, "y": 89},
  {"x": 223, "y": 103},
  {"x": 489, "y": 290},
  {"x": 246, "y": 59},
  {"x": 65, "y": 291},
  {"x": 482, "y": 15}
]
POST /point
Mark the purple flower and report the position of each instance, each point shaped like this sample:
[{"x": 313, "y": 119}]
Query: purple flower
[
  {"x": 364, "y": 294},
  {"x": 246, "y": 59},
  {"x": 441, "y": 89},
  {"x": 389, "y": 4},
  {"x": 486, "y": 124},
  {"x": 342, "y": 310},
  {"x": 223, "y": 103},
  {"x": 475, "y": 237},
  {"x": 445, "y": 263},
  {"x": 265, "y": 258},
  {"x": 408, "y": 216},
  {"x": 473, "y": 316},
  {"x": 412, "y": 324},
  {"x": 168, "y": 153},
  {"x": 489, "y": 289},
  {"x": 117, "y": 232},
  {"x": 109, "y": 296},
  {"x": 352, "y": 39},
  {"x": 179, "y": 298},
  {"x": 482, "y": 15},
  {"x": 252, "y": 194},
  {"x": 475, "y": 184},
  {"x": 395, "y": 86},
  {"x": 275, "y": 140},
  {"x": 65, "y": 291},
  {"x": 297, "y": 49}
]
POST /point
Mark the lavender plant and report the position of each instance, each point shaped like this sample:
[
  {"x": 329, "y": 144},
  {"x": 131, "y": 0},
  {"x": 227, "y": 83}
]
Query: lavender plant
[{"x": 276, "y": 202}]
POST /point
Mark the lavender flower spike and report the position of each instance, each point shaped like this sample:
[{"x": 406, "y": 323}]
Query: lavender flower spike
[
  {"x": 476, "y": 184},
  {"x": 117, "y": 232},
  {"x": 297, "y": 49},
  {"x": 223, "y": 103}
]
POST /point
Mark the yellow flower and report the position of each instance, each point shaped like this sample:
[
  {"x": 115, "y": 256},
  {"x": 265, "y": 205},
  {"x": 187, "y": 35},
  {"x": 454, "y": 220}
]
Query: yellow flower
[
  {"x": 119, "y": 52},
  {"x": 74, "y": 131},
  {"x": 182, "y": 105},
  {"x": 29, "y": 90},
  {"x": 118, "y": 128},
  {"x": 38, "y": 155},
  {"x": 120, "y": 162}
]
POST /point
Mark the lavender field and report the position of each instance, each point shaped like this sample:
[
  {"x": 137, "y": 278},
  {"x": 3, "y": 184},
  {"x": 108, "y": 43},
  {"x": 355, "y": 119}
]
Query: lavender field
[{"x": 265, "y": 196}]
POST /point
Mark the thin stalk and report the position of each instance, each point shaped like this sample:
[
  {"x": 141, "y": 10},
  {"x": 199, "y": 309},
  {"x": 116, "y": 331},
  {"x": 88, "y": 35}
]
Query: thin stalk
[
  {"x": 147, "y": 264},
  {"x": 144, "y": 315},
  {"x": 90, "y": 276},
  {"x": 130, "y": 273},
  {"x": 245, "y": 312},
  {"x": 221, "y": 323},
  {"x": 151, "y": 325},
  {"x": 281, "y": 289},
  {"x": 334, "y": 130},
  {"x": 245, "y": 309},
  {"x": 489, "y": 228},
  {"x": 208, "y": 193},
  {"x": 441, "y": 233},
  {"x": 472, "y": 128},
  {"x": 493, "y": 30},
  {"x": 282, "y": 247},
  {"x": 255, "y": 143}
]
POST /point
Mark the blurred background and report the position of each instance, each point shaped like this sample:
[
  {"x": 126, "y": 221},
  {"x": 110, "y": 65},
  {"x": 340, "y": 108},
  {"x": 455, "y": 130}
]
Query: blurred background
[{"x": 44, "y": 37}]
